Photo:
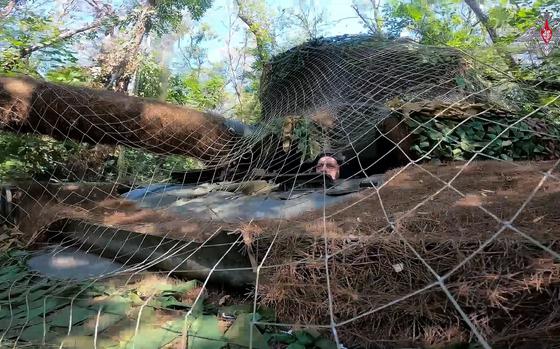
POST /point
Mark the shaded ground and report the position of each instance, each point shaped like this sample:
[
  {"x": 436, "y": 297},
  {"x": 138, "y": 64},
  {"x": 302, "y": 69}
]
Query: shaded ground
[{"x": 128, "y": 310}]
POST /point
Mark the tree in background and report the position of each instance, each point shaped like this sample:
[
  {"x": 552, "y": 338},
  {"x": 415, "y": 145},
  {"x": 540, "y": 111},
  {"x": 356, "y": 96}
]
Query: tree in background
[
  {"x": 369, "y": 13},
  {"x": 7, "y": 7},
  {"x": 254, "y": 14},
  {"x": 120, "y": 60},
  {"x": 158, "y": 49},
  {"x": 194, "y": 55},
  {"x": 32, "y": 43},
  {"x": 31, "y": 40},
  {"x": 246, "y": 59},
  {"x": 191, "y": 90},
  {"x": 309, "y": 17}
]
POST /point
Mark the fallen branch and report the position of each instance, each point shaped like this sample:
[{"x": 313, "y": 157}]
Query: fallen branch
[{"x": 98, "y": 116}]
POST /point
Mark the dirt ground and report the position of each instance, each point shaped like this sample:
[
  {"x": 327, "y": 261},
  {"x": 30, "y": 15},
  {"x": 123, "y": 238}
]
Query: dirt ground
[
  {"x": 386, "y": 247},
  {"x": 471, "y": 208},
  {"x": 382, "y": 278},
  {"x": 414, "y": 196}
]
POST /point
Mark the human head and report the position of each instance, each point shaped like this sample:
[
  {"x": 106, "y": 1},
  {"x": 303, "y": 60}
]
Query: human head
[{"x": 328, "y": 165}]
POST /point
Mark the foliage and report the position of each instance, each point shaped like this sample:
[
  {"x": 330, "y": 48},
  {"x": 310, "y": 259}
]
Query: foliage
[
  {"x": 209, "y": 325},
  {"x": 548, "y": 70},
  {"x": 452, "y": 23},
  {"x": 138, "y": 166},
  {"x": 43, "y": 158},
  {"x": 168, "y": 14},
  {"x": 432, "y": 23},
  {"x": 306, "y": 145},
  {"x": 207, "y": 94},
  {"x": 303, "y": 339},
  {"x": 149, "y": 79},
  {"x": 453, "y": 141},
  {"x": 23, "y": 156},
  {"x": 249, "y": 108},
  {"x": 194, "y": 53},
  {"x": 29, "y": 29},
  {"x": 309, "y": 18},
  {"x": 203, "y": 91},
  {"x": 255, "y": 14},
  {"x": 164, "y": 16},
  {"x": 71, "y": 75}
]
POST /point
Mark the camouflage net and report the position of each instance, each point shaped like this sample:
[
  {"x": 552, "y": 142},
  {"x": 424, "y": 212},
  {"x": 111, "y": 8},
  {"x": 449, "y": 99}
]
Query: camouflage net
[{"x": 443, "y": 249}]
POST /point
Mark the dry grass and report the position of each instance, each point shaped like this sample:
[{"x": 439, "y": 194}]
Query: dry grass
[{"x": 508, "y": 289}]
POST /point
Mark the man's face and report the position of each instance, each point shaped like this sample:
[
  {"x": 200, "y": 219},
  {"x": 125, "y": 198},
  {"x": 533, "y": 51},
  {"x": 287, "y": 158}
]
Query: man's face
[{"x": 329, "y": 166}]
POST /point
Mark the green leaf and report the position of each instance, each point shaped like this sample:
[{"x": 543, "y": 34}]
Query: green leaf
[
  {"x": 113, "y": 305},
  {"x": 465, "y": 146},
  {"x": 113, "y": 310},
  {"x": 83, "y": 342},
  {"x": 239, "y": 333},
  {"x": 36, "y": 292},
  {"x": 296, "y": 345},
  {"x": 236, "y": 309},
  {"x": 265, "y": 313},
  {"x": 17, "y": 43},
  {"x": 168, "y": 302},
  {"x": 460, "y": 81},
  {"x": 151, "y": 336},
  {"x": 283, "y": 338},
  {"x": 19, "y": 254},
  {"x": 324, "y": 343},
  {"x": 506, "y": 143},
  {"x": 62, "y": 317},
  {"x": 198, "y": 308},
  {"x": 11, "y": 273},
  {"x": 14, "y": 291},
  {"x": 204, "y": 332},
  {"x": 304, "y": 337},
  {"x": 35, "y": 333},
  {"x": 178, "y": 289},
  {"x": 434, "y": 135},
  {"x": 313, "y": 332}
]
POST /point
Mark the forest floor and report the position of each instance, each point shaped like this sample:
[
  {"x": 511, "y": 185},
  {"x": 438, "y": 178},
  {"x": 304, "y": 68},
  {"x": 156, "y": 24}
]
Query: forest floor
[
  {"x": 499, "y": 187},
  {"x": 386, "y": 246}
]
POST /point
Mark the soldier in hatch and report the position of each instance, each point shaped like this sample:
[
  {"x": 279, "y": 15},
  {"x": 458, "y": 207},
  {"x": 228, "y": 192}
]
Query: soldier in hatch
[{"x": 328, "y": 165}]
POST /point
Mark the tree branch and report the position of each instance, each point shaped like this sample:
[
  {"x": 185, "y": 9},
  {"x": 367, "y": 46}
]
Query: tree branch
[
  {"x": 8, "y": 9},
  {"x": 25, "y": 52},
  {"x": 253, "y": 28},
  {"x": 483, "y": 19},
  {"x": 365, "y": 20}
]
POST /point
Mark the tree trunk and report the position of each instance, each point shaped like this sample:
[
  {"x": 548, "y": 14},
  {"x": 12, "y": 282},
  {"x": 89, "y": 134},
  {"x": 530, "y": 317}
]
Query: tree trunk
[
  {"x": 483, "y": 19},
  {"x": 121, "y": 75},
  {"x": 262, "y": 52},
  {"x": 104, "y": 117}
]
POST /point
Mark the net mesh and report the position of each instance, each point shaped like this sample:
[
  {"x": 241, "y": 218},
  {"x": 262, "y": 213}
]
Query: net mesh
[{"x": 257, "y": 248}]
